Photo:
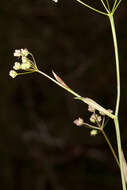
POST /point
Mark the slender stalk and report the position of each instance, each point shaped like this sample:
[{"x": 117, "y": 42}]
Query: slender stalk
[
  {"x": 117, "y": 62},
  {"x": 116, "y": 6},
  {"x": 111, "y": 148},
  {"x": 68, "y": 89},
  {"x": 86, "y": 5},
  {"x": 86, "y": 100},
  {"x": 108, "y": 5},
  {"x": 90, "y": 126},
  {"x": 116, "y": 122},
  {"x": 104, "y": 6}
]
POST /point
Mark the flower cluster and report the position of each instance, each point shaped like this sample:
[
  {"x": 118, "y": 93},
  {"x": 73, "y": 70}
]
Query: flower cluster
[
  {"x": 26, "y": 64},
  {"x": 98, "y": 119}
]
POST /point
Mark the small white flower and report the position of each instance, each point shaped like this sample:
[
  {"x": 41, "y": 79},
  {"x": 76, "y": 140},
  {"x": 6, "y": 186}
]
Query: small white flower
[
  {"x": 13, "y": 73},
  {"x": 17, "y": 53},
  {"x": 24, "y": 59},
  {"x": 25, "y": 66},
  {"x": 17, "y": 66},
  {"x": 24, "y": 52},
  {"x": 56, "y": 1}
]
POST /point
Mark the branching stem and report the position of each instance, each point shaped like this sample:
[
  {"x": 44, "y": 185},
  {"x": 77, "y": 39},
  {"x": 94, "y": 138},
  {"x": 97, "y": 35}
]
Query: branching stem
[
  {"x": 116, "y": 6},
  {"x": 104, "y": 6},
  {"x": 92, "y": 8}
]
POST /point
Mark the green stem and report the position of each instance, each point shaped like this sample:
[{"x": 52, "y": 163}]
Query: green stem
[
  {"x": 111, "y": 148},
  {"x": 53, "y": 80},
  {"x": 86, "y": 5},
  {"x": 116, "y": 122},
  {"x": 104, "y": 6},
  {"x": 116, "y": 6},
  {"x": 108, "y": 5},
  {"x": 86, "y": 100},
  {"x": 117, "y": 62}
]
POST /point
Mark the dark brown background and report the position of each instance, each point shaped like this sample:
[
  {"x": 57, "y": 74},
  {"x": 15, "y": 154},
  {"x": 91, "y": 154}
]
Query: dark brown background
[{"x": 40, "y": 148}]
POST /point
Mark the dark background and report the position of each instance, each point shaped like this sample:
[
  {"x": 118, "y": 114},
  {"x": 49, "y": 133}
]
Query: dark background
[{"x": 40, "y": 147}]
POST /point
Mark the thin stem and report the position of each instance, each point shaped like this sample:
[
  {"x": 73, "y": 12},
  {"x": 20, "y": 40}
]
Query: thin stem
[
  {"x": 68, "y": 89},
  {"x": 27, "y": 72},
  {"x": 86, "y": 5},
  {"x": 33, "y": 60},
  {"x": 108, "y": 5},
  {"x": 90, "y": 126},
  {"x": 116, "y": 6},
  {"x": 116, "y": 122},
  {"x": 117, "y": 62},
  {"x": 111, "y": 148},
  {"x": 87, "y": 101},
  {"x": 104, "y": 6}
]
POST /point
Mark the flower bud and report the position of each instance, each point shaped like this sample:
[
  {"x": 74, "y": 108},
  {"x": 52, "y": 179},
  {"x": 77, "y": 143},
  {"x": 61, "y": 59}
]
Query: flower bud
[
  {"x": 79, "y": 122},
  {"x": 93, "y": 132},
  {"x": 93, "y": 118}
]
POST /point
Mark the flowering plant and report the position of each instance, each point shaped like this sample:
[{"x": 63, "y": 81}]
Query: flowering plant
[{"x": 98, "y": 113}]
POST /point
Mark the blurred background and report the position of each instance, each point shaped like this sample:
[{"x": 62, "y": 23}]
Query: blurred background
[{"x": 40, "y": 147}]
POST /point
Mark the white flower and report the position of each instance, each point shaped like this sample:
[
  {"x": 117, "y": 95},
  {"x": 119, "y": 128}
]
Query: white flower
[
  {"x": 17, "y": 66},
  {"x": 13, "y": 73},
  {"x": 25, "y": 59},
  {"x": 56, "y": 1},
  {"x": 24, "y": 52},
  {"x": 25, "y": 66},
  {"x": 17, "y": 53}
]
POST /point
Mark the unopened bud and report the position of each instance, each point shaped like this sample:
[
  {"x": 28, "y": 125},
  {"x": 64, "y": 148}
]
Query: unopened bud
[
  {"x": 91, "y": 109},
  {"x": 93, "y": 132},
  {"x": 93, "y": 118},
  {"x": 79, "y": 122}
]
